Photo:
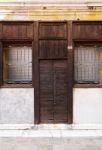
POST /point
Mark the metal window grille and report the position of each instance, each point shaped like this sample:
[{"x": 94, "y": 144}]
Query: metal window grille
[
  {"x": 19, "y": 64},
  {"x": 86, "y": 64}
]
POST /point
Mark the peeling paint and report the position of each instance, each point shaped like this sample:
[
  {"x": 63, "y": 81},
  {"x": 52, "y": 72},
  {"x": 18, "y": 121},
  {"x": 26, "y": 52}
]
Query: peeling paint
[{"x": 50, "y": 13}]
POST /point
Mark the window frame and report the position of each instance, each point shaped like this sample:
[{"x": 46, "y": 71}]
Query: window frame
[
  {"x": 16, "y": 43},
  {"x": 85, "y": 85}
]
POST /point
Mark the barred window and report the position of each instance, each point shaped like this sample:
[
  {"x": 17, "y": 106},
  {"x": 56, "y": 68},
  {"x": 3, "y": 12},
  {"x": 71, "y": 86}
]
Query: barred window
[
  {"x": 87, "y": 64},
  {"x": 17, "y": 64}
]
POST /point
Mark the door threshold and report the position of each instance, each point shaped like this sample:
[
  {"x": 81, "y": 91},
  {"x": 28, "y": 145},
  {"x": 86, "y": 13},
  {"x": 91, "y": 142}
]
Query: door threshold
[{"x": 51, "y": 126}]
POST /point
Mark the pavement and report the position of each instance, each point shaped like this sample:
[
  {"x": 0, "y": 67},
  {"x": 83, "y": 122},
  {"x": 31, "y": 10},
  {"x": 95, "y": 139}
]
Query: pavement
[
  {"x": 24, "y": 143},
  {"x": 50, "y": 139}
]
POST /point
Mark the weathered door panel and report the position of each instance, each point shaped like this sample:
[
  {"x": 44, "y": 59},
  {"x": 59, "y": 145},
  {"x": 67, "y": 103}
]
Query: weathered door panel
[
  {"x": 46, "y": 91},
  {"x": 17, "y": 30},
  {"x": 86, "y": 30},
  {"x": 53, "y": 91},
  {"x": 53, "y": 94},
  {"x": 60, "y": 91}
]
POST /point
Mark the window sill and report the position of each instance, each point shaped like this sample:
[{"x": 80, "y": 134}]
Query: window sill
[
  {"x": 17, "y": 86},
  {"x": 88, "y": 86}
]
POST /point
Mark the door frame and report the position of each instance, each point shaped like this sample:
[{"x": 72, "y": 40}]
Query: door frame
[{"x": 36, "y": 70}]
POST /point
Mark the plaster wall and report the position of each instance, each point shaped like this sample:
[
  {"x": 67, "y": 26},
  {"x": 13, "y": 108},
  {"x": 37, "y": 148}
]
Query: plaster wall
[
  {"x": 17, "y": 106},
  {"x": 87, "y": 106}
]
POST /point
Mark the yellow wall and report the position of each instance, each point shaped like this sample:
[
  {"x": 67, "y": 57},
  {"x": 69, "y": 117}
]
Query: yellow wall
[{"x": 50, "y": 13}]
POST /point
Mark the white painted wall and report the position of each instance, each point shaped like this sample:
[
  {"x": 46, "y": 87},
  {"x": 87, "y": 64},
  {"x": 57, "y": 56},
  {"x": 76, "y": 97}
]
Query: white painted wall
[
  {"x": 16, "y": 106},
  {"x": 52, "y": 1},
  {"x": 87, "y": 105}
]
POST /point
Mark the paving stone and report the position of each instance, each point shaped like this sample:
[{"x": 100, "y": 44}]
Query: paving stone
[
  {"x": 50, "y": 143},
  {"x": 44, "y": 147}
]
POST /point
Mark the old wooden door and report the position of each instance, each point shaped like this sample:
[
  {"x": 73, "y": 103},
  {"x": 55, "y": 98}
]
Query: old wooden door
[{"x": 52, "y": 100}]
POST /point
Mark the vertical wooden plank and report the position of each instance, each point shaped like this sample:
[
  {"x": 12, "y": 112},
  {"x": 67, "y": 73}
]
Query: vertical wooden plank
[
  {"x": 29, "y": 34},
  {"x": 5, "y": 59},
  {"x": 70, "y": 73},
  {"x": 46, "y": 91},
  {"x": 36, "y": 74},
  {"x": 22, "y": 31},
  {"x": 0, "y": 30},
  {"x": 1, "y": 56},
  {"x": 100, "y": 68},
  {"x": 14, "y": 29},
  {"x": 60, "y": 88},
  {"x": 1, "y": 64}
]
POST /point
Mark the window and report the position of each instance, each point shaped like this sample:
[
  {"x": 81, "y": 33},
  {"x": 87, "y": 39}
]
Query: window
[
  {"x": 87, "y": 64},
  {"x": 17, "y": 64}
]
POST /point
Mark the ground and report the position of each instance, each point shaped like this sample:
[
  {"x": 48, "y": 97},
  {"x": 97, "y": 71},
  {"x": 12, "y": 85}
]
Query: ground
[{"x": 50, "y": 143}]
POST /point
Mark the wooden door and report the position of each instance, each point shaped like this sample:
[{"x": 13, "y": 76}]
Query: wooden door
[{"x": 52, "y": 90}]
